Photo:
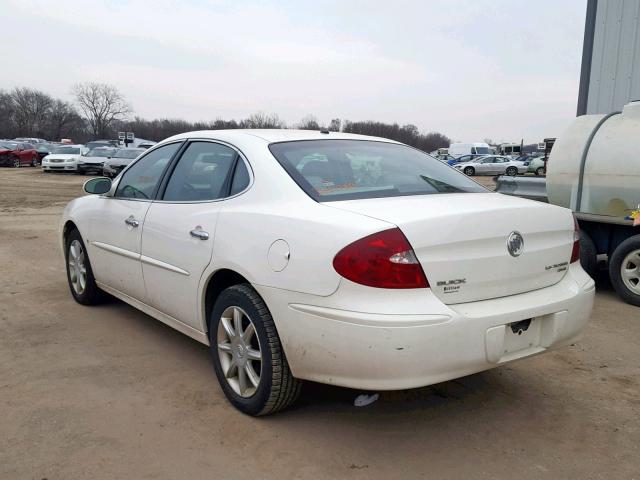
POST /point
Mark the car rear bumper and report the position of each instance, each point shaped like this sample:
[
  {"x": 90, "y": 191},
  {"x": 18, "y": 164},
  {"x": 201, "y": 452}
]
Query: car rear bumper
[{"x": 389, "y": 351}]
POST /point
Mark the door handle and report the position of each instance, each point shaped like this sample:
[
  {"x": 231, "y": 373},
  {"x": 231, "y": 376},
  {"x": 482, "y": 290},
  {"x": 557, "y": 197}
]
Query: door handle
[
  {"x": 132, "y": 222},
  {"x": 199, "y": 233}
]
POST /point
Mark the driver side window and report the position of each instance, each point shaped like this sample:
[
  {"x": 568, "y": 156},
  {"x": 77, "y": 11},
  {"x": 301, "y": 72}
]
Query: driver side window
[{"x": 141, "y": 180}]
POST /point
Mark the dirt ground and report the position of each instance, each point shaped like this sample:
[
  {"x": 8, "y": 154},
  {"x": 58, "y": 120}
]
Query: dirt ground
[{"x": 108, "y": 392}]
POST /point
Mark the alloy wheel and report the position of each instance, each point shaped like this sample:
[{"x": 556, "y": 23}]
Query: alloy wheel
[
  {"x": 239, "y": 351},
  {"x": 630, "y": 271},
  {"x": 16, "y": 163},
  {"x": 77, "y": 267}
]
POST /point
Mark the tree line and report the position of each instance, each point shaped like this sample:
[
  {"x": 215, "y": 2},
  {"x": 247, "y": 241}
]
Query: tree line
[{"x": 99, "y": 111}]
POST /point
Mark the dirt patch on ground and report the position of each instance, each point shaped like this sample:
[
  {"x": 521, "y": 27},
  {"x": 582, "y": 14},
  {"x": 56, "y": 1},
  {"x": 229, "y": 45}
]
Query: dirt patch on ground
[{"x": 108, "y": 392}]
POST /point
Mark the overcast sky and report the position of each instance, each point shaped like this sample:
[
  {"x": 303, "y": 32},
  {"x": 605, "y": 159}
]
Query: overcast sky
[{"x": 471, "y": 69}]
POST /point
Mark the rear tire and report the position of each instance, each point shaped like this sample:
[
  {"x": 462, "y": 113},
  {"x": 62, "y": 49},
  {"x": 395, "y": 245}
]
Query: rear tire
[
  {"x": 624, "y": 270},
  {"x": 512, "y": 171},
  {"x": 588, "y": 254},
  {"x": 85, "y": 292},
  {"x": 236, "y": 355},
  {"x": 469, "y": 171},
  {"x": 34, "y": 162},
  {"x": 16, "y": 163},
  {"x": 540, "y": 171}
]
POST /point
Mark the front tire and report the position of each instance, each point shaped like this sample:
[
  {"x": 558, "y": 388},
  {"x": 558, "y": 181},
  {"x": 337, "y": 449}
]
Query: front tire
[
  {"x": 469, "y": 171},
  {"x": 34, "y": 162},
  {"x": 16, "y": 163},
  {"x": 512, "y": 171},
  {"x": 79, "y": 274},
  {"x": 539, "y": 171},
  {"x": 247, "y": 354},
  {"x": 624, "y": 270}
]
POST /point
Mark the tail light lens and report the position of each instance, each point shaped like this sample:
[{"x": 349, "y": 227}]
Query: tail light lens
[
  {"x": 575, "y": 252},
  {"x": 383, "y": 260}
]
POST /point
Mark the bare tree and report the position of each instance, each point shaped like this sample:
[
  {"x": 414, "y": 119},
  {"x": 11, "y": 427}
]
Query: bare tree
[
  {"x": 335, "y": 124},
  {"x": 62, "y": 119},
  {"x": 102, "y": 105},
  {"x": 30, "y": 108},
  {"x": 309, "y": 123},
  {"x": 261, "y": 120},
  {"x": 7, "y": 124}
]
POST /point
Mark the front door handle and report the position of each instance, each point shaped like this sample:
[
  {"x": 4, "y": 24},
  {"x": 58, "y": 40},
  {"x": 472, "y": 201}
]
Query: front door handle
[
  {"x": 132, "y": 222},
  {"x": 199, "y": 233}
]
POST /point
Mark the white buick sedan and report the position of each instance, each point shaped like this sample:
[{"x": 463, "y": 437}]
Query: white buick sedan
[{"x": 342, "y": 259}]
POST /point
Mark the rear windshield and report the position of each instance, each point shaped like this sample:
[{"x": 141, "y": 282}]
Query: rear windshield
[
  {"x": 101, "y": 152},
  {"x": 66, "y": 150},
  {"x": 329, "y": 170}
]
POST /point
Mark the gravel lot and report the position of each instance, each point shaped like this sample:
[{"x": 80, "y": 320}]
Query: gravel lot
[{"x": 108, "y": 392}]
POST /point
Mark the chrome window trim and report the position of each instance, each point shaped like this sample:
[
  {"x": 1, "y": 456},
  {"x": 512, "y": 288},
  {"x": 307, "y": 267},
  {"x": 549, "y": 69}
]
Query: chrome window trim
[{"x": 242, "y": 156}]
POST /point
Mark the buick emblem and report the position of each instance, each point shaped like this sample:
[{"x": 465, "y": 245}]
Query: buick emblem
[{"x": 515, "y": 244}]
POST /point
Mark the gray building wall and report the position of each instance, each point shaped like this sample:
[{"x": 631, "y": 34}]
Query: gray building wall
[{"x": 610, "y": 76}]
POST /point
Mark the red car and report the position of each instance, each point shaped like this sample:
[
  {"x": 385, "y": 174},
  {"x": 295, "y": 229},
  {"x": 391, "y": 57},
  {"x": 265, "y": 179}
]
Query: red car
[{"x": 17, "y": 154}]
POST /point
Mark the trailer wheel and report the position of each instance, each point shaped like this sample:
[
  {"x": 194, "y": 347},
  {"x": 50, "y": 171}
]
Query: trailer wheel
[
  {"x": 624, "y": 270},
  {"x": 588, "y": 254}
]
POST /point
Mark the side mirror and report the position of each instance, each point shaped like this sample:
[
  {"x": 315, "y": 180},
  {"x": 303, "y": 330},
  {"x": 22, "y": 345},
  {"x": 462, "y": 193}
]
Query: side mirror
[{"x": 97, "y": 186}]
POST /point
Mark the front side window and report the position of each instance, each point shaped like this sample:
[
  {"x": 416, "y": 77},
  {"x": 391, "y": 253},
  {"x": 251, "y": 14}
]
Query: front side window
[
  {"x": 203, "y": 173},
  {"x": 141, "y": 180},
  {"x": 330, "y": 170}
]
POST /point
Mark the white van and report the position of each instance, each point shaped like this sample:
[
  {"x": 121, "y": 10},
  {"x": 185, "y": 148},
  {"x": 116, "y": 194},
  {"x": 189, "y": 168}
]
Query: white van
[{"x": 478, "y": 148}]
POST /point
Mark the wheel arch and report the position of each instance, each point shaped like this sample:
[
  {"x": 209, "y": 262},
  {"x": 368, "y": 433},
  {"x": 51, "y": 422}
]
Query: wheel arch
[{"x": 213, "y": 286}]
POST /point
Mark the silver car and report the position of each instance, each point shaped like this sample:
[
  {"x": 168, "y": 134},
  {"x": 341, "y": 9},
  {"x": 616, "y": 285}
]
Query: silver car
[{"x": 492, "y": 165}]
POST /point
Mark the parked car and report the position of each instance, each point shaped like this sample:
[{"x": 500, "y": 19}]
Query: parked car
[
  {"x": 101, "y": 143},
  {"x": 536, "y": 165},
  {"x": 337, "y": 258},
  {"x": 43, "y": 149},
  {"x": 492, "y": 165},
  {"x": 464, "y": 158},
  {"x": 63, "y": 158},
  {"x": 122, "y": 157},
  {"x": 17, "y": 154},
  {"x": 30, "y": 140},
  {"x": 93, "y": 160}
]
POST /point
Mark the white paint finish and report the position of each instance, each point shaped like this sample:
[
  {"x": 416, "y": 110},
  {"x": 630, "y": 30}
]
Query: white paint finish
[
  {"x": 117, "y": 262},
  {"x": 167, "y": 241},
  {"x": 394, "y": 356},
  {"x": 464, "y": 236},
  {"x": 158, "y": 315},
  {"x": 615, "y": 66},
  {"x": 278, "y": 256},
  {"x": 334, "y": 330}
]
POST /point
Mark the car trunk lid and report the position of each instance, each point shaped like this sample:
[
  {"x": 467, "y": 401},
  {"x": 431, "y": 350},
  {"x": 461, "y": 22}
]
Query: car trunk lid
[{"x": 461, "y": 241}]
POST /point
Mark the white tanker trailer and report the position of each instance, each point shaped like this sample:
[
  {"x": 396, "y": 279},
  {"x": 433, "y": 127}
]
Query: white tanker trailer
[{"x": 594, "y": 169}]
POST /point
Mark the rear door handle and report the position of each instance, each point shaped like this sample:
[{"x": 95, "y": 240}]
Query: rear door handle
[
  {"x": 132, "y": 222},
  {"x": 199, "y": 233}
]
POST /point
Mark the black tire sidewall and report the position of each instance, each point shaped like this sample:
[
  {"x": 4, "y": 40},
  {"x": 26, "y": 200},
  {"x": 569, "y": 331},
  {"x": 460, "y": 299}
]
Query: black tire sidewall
[
  {"x": 238, "y": 297},
  {"x": 615, "y": 264},
  {"x": 91, "y": 294},
  {"x": 509, "y": 171},
  {"x": 469, "y": 171},
  {"x": 588, "y": 254}
]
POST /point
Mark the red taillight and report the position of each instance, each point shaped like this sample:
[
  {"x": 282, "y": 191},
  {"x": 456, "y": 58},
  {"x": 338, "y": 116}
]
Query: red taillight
[
  {"x": 575, "y": 252},
  {"x": 384, "y": 260}
]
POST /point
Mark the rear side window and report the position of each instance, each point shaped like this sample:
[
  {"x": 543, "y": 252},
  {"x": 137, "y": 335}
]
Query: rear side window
[
  {"x": 141, "y": 180},
  {"x": 241, "y": 178},
  {"x": 330, "y": 170},
  {"x": 202, "y": 173}
]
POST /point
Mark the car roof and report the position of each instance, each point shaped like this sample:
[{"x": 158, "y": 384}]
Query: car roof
[{"x": 276, "y": 135}]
